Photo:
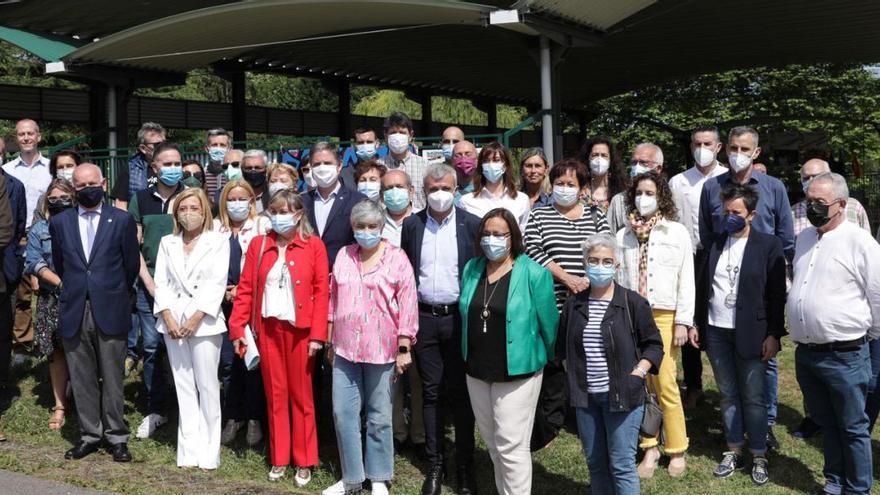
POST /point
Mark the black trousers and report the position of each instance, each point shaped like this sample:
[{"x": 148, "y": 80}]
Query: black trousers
[
  {"x": 438, "y": 348},
  {"x": 6, "y": 324},
  {"x": 691, "y": 360}
]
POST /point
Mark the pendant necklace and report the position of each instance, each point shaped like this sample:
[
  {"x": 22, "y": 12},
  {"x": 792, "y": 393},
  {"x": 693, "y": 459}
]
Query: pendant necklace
[
  {"x": 484, "y": 315},
  {"x": 732, "y": 274}
]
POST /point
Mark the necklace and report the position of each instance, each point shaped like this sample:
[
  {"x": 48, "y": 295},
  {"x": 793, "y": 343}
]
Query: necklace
[
  {"x": 484, "y": 315},
  {"x": 732, "y": 274}
]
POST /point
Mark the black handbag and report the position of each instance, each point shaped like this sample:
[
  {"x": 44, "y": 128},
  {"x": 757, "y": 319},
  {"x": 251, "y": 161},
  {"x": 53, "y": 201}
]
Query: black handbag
[{"x": 653, "y": 418}]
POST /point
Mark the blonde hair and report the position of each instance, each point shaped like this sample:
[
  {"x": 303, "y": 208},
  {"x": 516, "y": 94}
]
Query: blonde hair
[
  {"x": 224, "y": 197},
  {"x": 282, "y": 167},
  {"x": 208, "y": 222},
  {"x": 294, "y": 203}
]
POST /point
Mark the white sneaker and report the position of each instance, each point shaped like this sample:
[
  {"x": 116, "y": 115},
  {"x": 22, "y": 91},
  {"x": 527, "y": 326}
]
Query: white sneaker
[
  {"x": 337, "y": 489},
  {"x": 277, "y": 473},
  {"x": 150, "y": 424},
  {"x": 379, "y": 488},
  {"x": 303, "y": 476}
]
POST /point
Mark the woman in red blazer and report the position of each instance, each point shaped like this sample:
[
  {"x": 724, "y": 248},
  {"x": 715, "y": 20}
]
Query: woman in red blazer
[{"x": 287, "y": 297}]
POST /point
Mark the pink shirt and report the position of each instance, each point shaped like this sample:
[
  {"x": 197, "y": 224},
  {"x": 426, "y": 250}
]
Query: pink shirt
[{"x": 371, "y": 310}]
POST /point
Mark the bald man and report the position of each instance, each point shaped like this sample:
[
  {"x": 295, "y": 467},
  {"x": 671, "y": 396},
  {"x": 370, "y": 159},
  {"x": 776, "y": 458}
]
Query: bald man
[
  {"x": 464, "y": 159},
  {"x": 855, "y": 212},
  {"x": 451, "y": 136},
  {"x": 95, "y": 252}
]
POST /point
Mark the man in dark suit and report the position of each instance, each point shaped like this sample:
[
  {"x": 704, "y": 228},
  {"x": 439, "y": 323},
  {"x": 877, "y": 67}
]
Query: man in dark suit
[
  {"x": 439, "y": 241},
  {"x": 96, "y": 254},
  {"x": 11, "y": 231}
]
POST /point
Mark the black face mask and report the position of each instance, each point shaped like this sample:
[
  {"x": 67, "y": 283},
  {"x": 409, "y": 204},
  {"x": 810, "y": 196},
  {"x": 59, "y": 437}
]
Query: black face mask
[
  {"x": 90, "y": 197},
  {"x": 56, "y": 206},
  {"x": 817, "y": 214},
  {"x": 254, "y": 178},
  {"x": 215, "y": 168}
]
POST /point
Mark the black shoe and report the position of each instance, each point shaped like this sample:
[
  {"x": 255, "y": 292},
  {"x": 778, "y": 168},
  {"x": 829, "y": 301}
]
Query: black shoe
[
  {"x": 433, "y": 484},
  {"x": 464, "y": 484},
  {"x": 807, "y": 429},
  {"x": 121, "y": 453},
  {"x": 772, "y": 442},
  {"x": 81, "y": 450}
]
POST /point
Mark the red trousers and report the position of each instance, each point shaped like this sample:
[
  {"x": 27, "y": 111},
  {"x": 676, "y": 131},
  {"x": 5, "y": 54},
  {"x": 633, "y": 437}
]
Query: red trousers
[{"x": 287, "y": 378}]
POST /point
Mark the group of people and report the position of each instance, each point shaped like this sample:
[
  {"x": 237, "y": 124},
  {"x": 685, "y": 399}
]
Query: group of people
[{"x": 448, "y": 289}]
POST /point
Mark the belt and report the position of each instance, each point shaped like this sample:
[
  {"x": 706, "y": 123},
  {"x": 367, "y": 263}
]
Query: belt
[
  {"x": 845, "y": 345},
  {"x": 438, "y": 309}
]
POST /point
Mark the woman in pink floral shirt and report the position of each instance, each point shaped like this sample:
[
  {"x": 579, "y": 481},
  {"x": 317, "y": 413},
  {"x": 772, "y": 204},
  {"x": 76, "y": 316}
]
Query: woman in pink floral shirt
[{"x": 373, "y": 308}]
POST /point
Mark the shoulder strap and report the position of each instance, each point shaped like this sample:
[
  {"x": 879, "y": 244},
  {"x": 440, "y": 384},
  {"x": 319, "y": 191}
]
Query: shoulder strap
[
  {"x": 256, "y": 285},
  {"x": 595, "y": 220}
]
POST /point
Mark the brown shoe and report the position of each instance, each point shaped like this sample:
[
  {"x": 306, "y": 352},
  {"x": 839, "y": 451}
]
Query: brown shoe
[
  {"x": 2, "y": 436},
  {"x": 692, "y": 398}
]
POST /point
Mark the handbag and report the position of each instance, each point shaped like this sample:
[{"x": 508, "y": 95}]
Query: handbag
[
  {"x": 252, "y": 354},
  {"x": 653, "y": 418}
]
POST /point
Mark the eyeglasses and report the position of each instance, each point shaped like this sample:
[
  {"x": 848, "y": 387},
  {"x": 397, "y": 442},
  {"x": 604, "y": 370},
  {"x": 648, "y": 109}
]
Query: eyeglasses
[
  {"x": 643, "y": 163},
  {"x": 231, "y": 164},
  {"x": 595, "y": 262}
]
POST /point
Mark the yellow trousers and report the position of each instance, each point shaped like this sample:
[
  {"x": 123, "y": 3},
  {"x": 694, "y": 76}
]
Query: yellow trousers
[{"x": 664, "y": 384}]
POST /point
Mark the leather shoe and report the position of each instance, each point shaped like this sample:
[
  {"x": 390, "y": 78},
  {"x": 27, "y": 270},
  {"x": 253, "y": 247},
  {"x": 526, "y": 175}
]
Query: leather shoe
[
  {"x": 465, "y": 484},
  {"x": 121, "y": 453},
  {"x": 81, "y": 450},
  {"x": 433, "y": 484}
]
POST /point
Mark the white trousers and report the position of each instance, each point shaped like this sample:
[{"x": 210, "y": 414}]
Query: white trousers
[
  {"x": 194, "y": 363},
  {"x": 505, "y": 414}
]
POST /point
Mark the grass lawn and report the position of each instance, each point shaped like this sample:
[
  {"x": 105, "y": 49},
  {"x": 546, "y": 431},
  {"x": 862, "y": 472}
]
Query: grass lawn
[{"x": 560, "y": 469}]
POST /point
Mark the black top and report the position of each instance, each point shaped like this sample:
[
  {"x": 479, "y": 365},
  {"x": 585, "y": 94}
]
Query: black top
[{"x": 487, "y": 350}]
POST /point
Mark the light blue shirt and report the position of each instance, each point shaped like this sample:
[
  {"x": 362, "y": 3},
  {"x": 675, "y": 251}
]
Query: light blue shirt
[
  {"x": 438, "y": 265},
  {"x": 323, "y": 207}
]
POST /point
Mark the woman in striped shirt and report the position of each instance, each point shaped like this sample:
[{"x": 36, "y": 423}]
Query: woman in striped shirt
[{"x": 556, "y": 231}]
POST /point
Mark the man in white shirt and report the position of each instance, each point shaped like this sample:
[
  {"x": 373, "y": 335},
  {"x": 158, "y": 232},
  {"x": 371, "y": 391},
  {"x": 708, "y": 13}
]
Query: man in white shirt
[
  {"x": 398, "y": 136},
  {"x": 31, "y": 167},
  {"x": 833, "y": 309},
  {"x": 687, "y": 186}
]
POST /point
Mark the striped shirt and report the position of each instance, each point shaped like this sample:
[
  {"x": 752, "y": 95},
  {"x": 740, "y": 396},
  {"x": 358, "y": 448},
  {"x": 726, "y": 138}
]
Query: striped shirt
[
  {"x": 552, "y": 237},
  {"x": 594, "y": 348}
]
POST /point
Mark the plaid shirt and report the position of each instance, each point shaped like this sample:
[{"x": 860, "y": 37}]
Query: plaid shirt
[
  {"x": 137, "y": 174},
  {"x": 415, "y": 167},
  {"x": 855, "y": 213}
]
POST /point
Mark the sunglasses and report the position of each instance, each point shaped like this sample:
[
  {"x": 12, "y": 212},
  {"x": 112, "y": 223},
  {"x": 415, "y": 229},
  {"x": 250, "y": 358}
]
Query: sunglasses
[{"x": 231, "y": 164}]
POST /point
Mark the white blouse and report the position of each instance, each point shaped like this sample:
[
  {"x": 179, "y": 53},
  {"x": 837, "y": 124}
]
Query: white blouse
[{"x": 278, "y": 300}]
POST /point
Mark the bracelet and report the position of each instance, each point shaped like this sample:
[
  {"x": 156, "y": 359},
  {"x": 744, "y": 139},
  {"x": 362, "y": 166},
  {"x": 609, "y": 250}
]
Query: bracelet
[{"x": 640, "y": 371}]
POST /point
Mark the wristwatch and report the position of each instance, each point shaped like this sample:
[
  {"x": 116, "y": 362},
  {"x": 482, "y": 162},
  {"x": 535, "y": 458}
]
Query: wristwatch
[
  {"x": 640, "y": 371},
  {"x": 403, "y": 350}
]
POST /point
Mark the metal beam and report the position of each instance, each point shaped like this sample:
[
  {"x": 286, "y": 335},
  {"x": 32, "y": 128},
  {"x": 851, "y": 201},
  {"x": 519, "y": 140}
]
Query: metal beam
[
  {"x": 547, "y": 98},
  {"x": 343, "y": 91}
]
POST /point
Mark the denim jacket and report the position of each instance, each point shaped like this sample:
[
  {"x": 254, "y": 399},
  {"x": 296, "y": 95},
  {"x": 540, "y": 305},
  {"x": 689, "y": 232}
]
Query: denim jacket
[{"x": 38, "y": 254}]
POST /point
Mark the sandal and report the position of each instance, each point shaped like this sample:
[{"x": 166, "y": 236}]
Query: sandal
[{"x": 56, "y": 423}]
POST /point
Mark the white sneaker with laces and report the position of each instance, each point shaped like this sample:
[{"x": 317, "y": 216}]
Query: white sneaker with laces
[
  {"x": 303, "y": 476},
  {"x": 150, "y": 424},
  {"x": 379, "y": 488},
  {"x": 336, "y": 489}
]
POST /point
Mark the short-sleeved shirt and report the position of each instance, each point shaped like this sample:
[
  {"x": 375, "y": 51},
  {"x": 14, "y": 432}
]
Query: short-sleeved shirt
[{"x": 151, "y": 212}]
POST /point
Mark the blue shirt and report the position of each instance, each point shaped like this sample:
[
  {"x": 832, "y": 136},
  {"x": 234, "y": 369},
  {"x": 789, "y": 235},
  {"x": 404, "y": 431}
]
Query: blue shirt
[
  {"x": 543, "y": 200},
  {"x": 39, "y": 251},
  {"x": 438, "y": 265},
  {"x": 772, "y": 215},
  {"x": 13, "y": 259}
]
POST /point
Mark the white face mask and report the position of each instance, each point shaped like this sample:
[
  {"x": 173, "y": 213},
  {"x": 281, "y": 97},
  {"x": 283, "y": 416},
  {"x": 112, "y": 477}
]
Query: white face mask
[
  {"x": 704, "y": 156},
  {"x": 739, "y": 161},
  {"x": 398, "y": 142},
  {"x": 646, "y": 205},
  {"x": 310, "y": 181},
  {"x": 599, "y": 165},
  {"x": 564, "y": 195},
  {"x": 65, "y": 173},
  {"x": 369, "y": 189},
  {"x": 440, "y": 201},
  {"x": 274, "y": 187},
  {"x": 325, "y": 175}
]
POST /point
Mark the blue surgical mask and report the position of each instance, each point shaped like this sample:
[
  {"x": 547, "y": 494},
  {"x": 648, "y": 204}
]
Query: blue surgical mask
[
  {"x": 170, "y": 176},
  {"x": 217, "y": 153},
  {"x": 238, "y": 210},
  {"x": 734, "y": 223},
  {"x": 367, "y": 239},
  {"x": 600, "y": 276},
  {"x": 494, "y": 247},
  {"x": 369, "y": 189},
  {"x": 493, "y": 171},
  {"x": 365, "y": 151},
  {"x": 638, "y": 170},
  {"x": 283, "y": 223},
  {"x": 446, "y": 149},
  {"x": 396, "y": 199}
]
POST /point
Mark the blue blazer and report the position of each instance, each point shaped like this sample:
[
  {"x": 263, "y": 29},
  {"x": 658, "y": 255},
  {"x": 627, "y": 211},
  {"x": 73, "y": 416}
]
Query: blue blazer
[
  {"x": 337, "y": 232},
  {"x": 106, "y": 279},
  {"x": 413, "y": 232},
  {"x": 760, "y": 303},
  {"x": 13, "y": 259}
]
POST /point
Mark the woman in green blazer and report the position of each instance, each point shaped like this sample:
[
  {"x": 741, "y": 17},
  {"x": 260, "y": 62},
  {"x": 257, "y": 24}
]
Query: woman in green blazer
[{"x": 509, "y": 319}]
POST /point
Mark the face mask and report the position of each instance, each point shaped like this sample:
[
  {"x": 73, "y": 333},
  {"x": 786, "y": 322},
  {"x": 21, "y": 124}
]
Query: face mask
[
  {"x": 564, "y": 195},
  {"x": 65, "y": 173},
  {"x": 217, "y": 154},
  {"x": 704, "y": 156},
  {"x": 232, "y": 173},
  {"x": 440, "y": 201},
  {"x": 806, "y": 185},
  {"x": 494, "y": 247},
  {"x": 646, "y": 205},
  {"x": 365, "y": 151},
  {"x": 325, "y": 175},
  {"x": 396, "y": 199},
  {"x": 398, "y": 143},
  {"x": 191, "y": 220},
  {"x": 599, "y": 165},
  {"x": 600, "y": 276},
  {"x": 739, "y": 161},
  {"x": 255, "y": 178},
  {"x": 309, "y": 180},
  {"x": 734, "y": 223},
  {"x": 446, "y": 149},
  {"x": 276, "y": 186},
  {"x": 283, "y": 223},
  {"x": 493, "y": 171},
  {"x": 367, "y": 239},
  {"x": 817, "y": 214},
  {"x": 465, "y": 164},
  {"x": 369, "y": 189},
  {"x": 170, "y": 176},
  {"x": 192, "y": 181},
  {"x": 90, "y": 197},
  {"x": 56, "y": 206},
  {"x": 238, "y": 210},
  {"x": 638, "y": 170}
]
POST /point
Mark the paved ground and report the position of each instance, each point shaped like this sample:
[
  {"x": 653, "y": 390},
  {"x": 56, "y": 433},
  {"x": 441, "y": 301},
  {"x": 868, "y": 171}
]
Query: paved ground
[{"x": 17, "y": 484}]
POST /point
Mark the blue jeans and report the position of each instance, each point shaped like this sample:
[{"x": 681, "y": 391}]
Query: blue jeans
[
  {"x": 610, "y": 440},
  {"x": 835, "y": 385},
  {"x": 154, "y": 349},
  {"x": 872, "y": 402},
  {"x": 132, "y": 346},
  {"x": 741, "y": 383},
  {"x": 357, "y": 385},
  {"x": 771, "y": 395}
]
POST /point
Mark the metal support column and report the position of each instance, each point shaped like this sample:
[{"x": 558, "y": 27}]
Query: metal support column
[
  {"x": 427, "y": 114},
  {"x": 343, "y": 91},
  {"x": 239, "y": 106},
  {"x": 547, "y": 98},
  {"x": 111, "y": 120}
]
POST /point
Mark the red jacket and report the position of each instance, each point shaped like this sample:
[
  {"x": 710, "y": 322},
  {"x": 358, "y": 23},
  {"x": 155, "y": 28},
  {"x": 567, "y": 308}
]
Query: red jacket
[{"x": 309, "y": 271}]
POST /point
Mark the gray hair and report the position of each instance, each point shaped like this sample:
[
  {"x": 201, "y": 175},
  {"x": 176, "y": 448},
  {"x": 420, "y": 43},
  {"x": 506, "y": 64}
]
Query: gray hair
[
  {"x": 603, "y": 239},
  {"x": 367, "y": 211},
  {"x": 838, "y": 184},
  {"x": 438, "y": 171},
  {"x": 405, "y": 175},
  {"x": 324, "y": 146},
  {"x": 149, "y": 127},
  {"x": 536, "y": 151},
  {"x": 217, "y": 131},
  {"x": 740, "y": 130},
  {"x": 256, "y": 154},
  {"x": 658, "y": 153}
]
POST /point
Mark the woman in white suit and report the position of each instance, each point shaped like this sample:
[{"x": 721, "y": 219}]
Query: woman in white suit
[{"x": 191, "y": 271}]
